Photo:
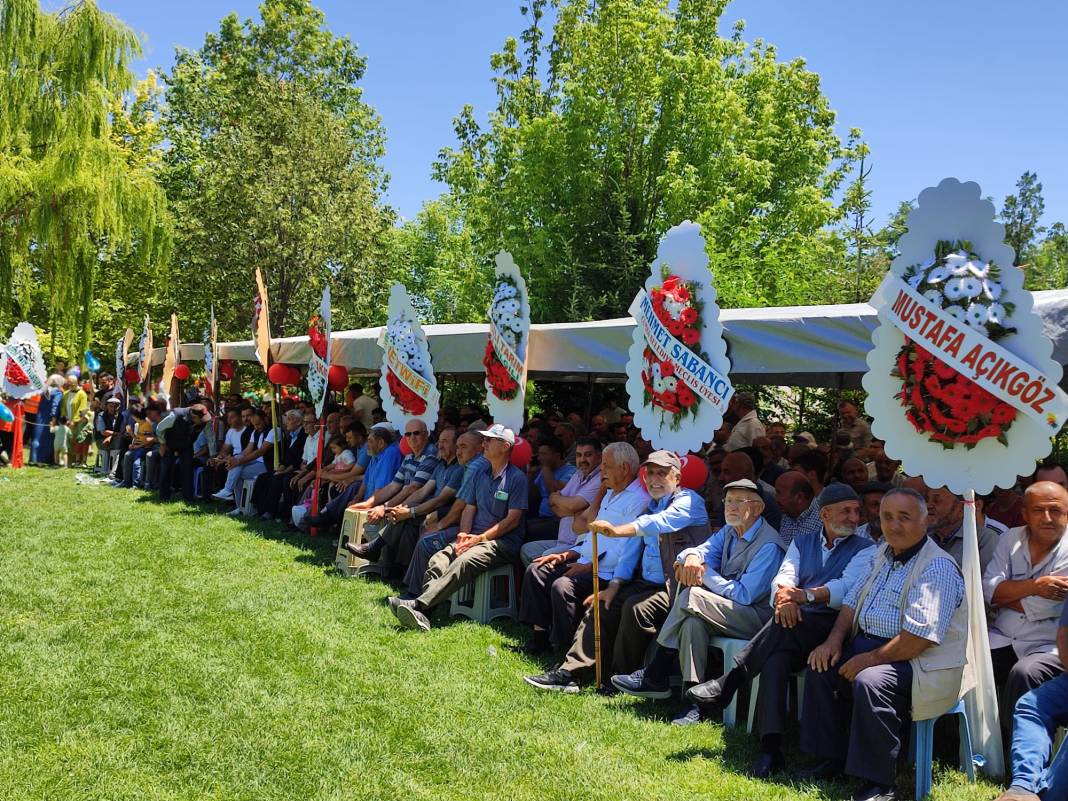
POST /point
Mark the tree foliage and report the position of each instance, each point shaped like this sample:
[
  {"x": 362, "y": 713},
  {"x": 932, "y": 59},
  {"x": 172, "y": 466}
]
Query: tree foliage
[
  {"x": 636, "y": 116},
  {"x": 273, "y": 163},
  {"x": 70, "y": 197},
  {"x": 1022, "y": 214}
]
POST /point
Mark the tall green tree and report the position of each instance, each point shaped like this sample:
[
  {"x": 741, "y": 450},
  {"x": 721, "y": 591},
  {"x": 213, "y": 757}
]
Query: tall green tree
[
  {"x": 635, "y": 116},
  {"x": 69, "y": 196},
  {"x": 273, "y": 163},
  {"x": 1048, "y": 267},
  {"x": 1022, "y": 214}
]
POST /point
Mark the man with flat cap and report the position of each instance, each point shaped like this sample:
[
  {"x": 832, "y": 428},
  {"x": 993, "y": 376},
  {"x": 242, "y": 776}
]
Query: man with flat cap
[
  {"x": 638, "y": 597},
  {"x": 725, "y": 587},
  {"x": 806, "y": 594}
]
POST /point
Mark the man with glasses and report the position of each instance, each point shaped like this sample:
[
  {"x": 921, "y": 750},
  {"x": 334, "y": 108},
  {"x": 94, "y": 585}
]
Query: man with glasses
[
  {"x": 1025, "y": 585},
  {"x": 415, "y": 470},
  {"x": 725, "y": 585}
]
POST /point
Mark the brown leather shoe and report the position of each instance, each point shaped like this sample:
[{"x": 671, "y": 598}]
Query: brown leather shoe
[{"x": 1017, "y": 794}]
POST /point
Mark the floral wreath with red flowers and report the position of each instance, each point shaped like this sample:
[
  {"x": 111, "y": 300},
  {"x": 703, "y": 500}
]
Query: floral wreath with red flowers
[
  {"x": 317, "y": 337},
  {"x": 14, "y": 374},
  {"x": 677, "y": 307},
  {"x": 402, "y": 336},
  {"x": 938, "y": 401},
  {"x": 506, "y": 311}
]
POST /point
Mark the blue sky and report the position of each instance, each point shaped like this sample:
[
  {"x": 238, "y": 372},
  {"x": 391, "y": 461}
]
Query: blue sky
[{"x": 973, "y": 90}]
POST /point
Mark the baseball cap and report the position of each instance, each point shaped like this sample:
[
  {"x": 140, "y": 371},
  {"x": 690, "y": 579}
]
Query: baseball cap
[
  {"x": 664, "y": 459},
  {"x": 806, "y": 438},
  {"x": 743, "y": 484},
  {"x": 498, "y": 431}
]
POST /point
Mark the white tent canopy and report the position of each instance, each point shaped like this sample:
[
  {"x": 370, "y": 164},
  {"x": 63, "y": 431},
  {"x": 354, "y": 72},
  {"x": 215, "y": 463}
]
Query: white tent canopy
[{"x": 813, "y": 346}]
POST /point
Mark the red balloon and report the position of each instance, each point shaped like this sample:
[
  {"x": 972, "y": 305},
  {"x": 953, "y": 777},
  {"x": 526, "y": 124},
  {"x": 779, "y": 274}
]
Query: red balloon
[
  {"x": 294, "y": 376},
  {"x": 226, "y": 370},
  {"x": 338, "y": 378},
  {"x": 132, "y": 376},
  {"x": 277, "y": 373},
  {"x": 181, "y": 372},
  {"x": 405, "y": 448},
  {"x": 694, "y": 472},
  {"x": 522, "y": 453}
]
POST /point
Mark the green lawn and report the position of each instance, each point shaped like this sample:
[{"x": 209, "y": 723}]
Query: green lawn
[{"x": 154, "y": 651}]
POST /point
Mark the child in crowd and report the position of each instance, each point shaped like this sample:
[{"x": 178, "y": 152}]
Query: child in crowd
[
  {"x": 82, "y": 435},
  {"x": 342, "y": 461},
  {"x": 135, "y": 469},
  {"x": 61, "y": 441}
]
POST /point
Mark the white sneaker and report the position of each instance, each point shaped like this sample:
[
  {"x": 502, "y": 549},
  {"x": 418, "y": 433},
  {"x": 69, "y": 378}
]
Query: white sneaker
[
  {"x": 223, "y": 496},
  {"x": 234, "y": 513}
]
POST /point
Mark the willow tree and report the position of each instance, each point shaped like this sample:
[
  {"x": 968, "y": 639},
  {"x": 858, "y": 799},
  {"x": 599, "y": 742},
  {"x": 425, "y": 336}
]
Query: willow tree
[{"x": 70, "y": 196}]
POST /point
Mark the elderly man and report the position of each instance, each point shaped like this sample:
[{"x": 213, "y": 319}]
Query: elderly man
[
  {"x": 800, "y": 512},
  {"x": 396, "y": 540},
  {"x": 738, "y": 466},
  {"x": 818, "y": 571},
  {"x": 946, "y": 527},
  {"x": 897, "y": 650},
  {"x": 381, "y": 470},
  {"x": 581, "y": 489},
  {"x": 1039, "y": 714},
  {"x": 748, "y": 427},
  {"x": 633, "y": 605},
  {"x": 726, "y": 583},
  {"x": 871, "y": 498},
  {"x": 491, "y": 531},
  {"x": 556, "y": 584},
  {"x": 1025, "y": 584}
]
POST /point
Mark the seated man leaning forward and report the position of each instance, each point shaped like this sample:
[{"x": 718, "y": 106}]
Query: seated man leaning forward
[
  {"x": 897, "y": 652},
  {"x": 637, "y": 599},
  {"x": 556, "y": 585},
  {"x": 491, "y": 532},
  {"x": 726, "y": 583},
  {"x": 818, "y": 571}
]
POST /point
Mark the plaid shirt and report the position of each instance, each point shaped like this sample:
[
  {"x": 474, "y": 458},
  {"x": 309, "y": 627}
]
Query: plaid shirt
[
  {"x": 805, "y": 523},
  {"x": 933, "y": 597}
]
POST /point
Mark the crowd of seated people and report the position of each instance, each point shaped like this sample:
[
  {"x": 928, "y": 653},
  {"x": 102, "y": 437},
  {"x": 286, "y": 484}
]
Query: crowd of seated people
[{"x": 823, "y": 557}]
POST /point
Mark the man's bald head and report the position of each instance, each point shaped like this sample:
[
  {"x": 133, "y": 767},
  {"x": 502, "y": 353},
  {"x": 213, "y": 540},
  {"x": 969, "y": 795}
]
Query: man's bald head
[{"x": 1045, "y": 511}]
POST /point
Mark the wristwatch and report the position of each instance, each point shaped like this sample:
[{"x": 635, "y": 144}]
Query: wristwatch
[{"x": 810, "y": 596}]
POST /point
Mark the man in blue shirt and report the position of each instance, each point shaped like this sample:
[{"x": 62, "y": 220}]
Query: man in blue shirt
[
  {"x": 385, "y": 461},
  {"x": 818, "y": 571},
  {"x": 553, "y": 475},
  {"x": 725, "y": 587},
  {"x": 491, "y": 531},
  {"x": 638, "y": 596}
]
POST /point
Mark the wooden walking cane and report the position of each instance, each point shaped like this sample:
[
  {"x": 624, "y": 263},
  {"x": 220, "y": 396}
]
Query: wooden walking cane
[{"x": 596, "y": 613}]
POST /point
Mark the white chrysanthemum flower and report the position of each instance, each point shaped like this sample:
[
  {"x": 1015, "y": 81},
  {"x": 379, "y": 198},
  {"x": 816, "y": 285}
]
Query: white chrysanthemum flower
[
  {"x": 956, "y": 312},
  {"x": 670, "y": 383},
  {"x": 508, "y": 291},
  {"x": 516, "y": 324},
  {"x": 996, "y": 313},
  {"x": 938, "y": 275},
  {"x": 658, "y": 385},
  {"x": 657, "y": 373},
  {"x": 976, "y": 315},
  {"x": 955, "y": 260},
  {"x": 971, "y": 286},
  {"x": 992, "y": 289},
  {"x": 934, "y": 297},
  {"x": 508, "y": 336},
  {"x": 954, "y": 288},
  {"x": 980, "y": 269},
  {"x": 915, "y": 280}
]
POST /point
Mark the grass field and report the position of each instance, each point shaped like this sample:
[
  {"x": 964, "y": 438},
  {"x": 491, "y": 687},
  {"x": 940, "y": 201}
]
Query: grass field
[{"x": 154, "y": 651}]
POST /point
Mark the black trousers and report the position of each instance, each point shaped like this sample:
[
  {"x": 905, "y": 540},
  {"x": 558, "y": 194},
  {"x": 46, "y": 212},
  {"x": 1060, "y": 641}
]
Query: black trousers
[
  {"x": 1017, "y": 676},
  {"x": 400, "y": 539},
  {"x": 552, "y": 600},
  {"x": 862, "y": 721},
  {"x": 776, "y": 653},
  {"x": 176, "y": 468}
]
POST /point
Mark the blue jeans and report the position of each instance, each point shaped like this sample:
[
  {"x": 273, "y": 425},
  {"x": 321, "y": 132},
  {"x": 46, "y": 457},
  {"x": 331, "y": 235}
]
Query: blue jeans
[{"x": 1038, "y": 715}]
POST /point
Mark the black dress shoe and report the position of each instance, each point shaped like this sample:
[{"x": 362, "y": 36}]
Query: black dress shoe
[
  {"x": 709, "y": 696},
  {"x": 766, "y": 764},
  {"x": 827, "y": 769},
  {"x": 875, "y": 792},
  {"x": 363, "y": 550}
]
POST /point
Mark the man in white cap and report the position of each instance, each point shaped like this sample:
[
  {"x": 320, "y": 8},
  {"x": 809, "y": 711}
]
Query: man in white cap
[
  {"x": 491, "y": 531},
  {"x": 725, "y": 587}
]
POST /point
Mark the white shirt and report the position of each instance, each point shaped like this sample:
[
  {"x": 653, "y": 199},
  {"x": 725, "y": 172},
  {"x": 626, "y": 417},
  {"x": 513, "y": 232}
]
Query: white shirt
[
  {"x": 311, "y": 448},
  {"x": 744, "y": 432},
  {"x": 855, "y": 570},
  {"x": 233, "y": 439},
  {"x": 618, "y": 509},
  {"x": 1033, "y": 631}
]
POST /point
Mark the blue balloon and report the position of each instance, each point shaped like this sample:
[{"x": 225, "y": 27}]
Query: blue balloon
[
  {"x": 6, "y": 415},
  {"x": 92, "y": 363}
]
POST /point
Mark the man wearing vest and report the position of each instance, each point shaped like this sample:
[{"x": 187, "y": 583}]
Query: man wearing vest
[
  {"x": 726, "y": 583},
  {"x": 633, "y": 608},
  {"x": 897, "y": 651},
  {"x": 176, "y": 435},
  {"x": 818, "y": 571}
]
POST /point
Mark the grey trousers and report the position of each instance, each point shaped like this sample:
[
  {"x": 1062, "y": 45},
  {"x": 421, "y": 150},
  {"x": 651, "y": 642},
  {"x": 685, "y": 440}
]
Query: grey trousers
[
  {"x": 697, "y": 616},
  {"x": 446, "y": 572},
  {"x": 627, "y": 628}
]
